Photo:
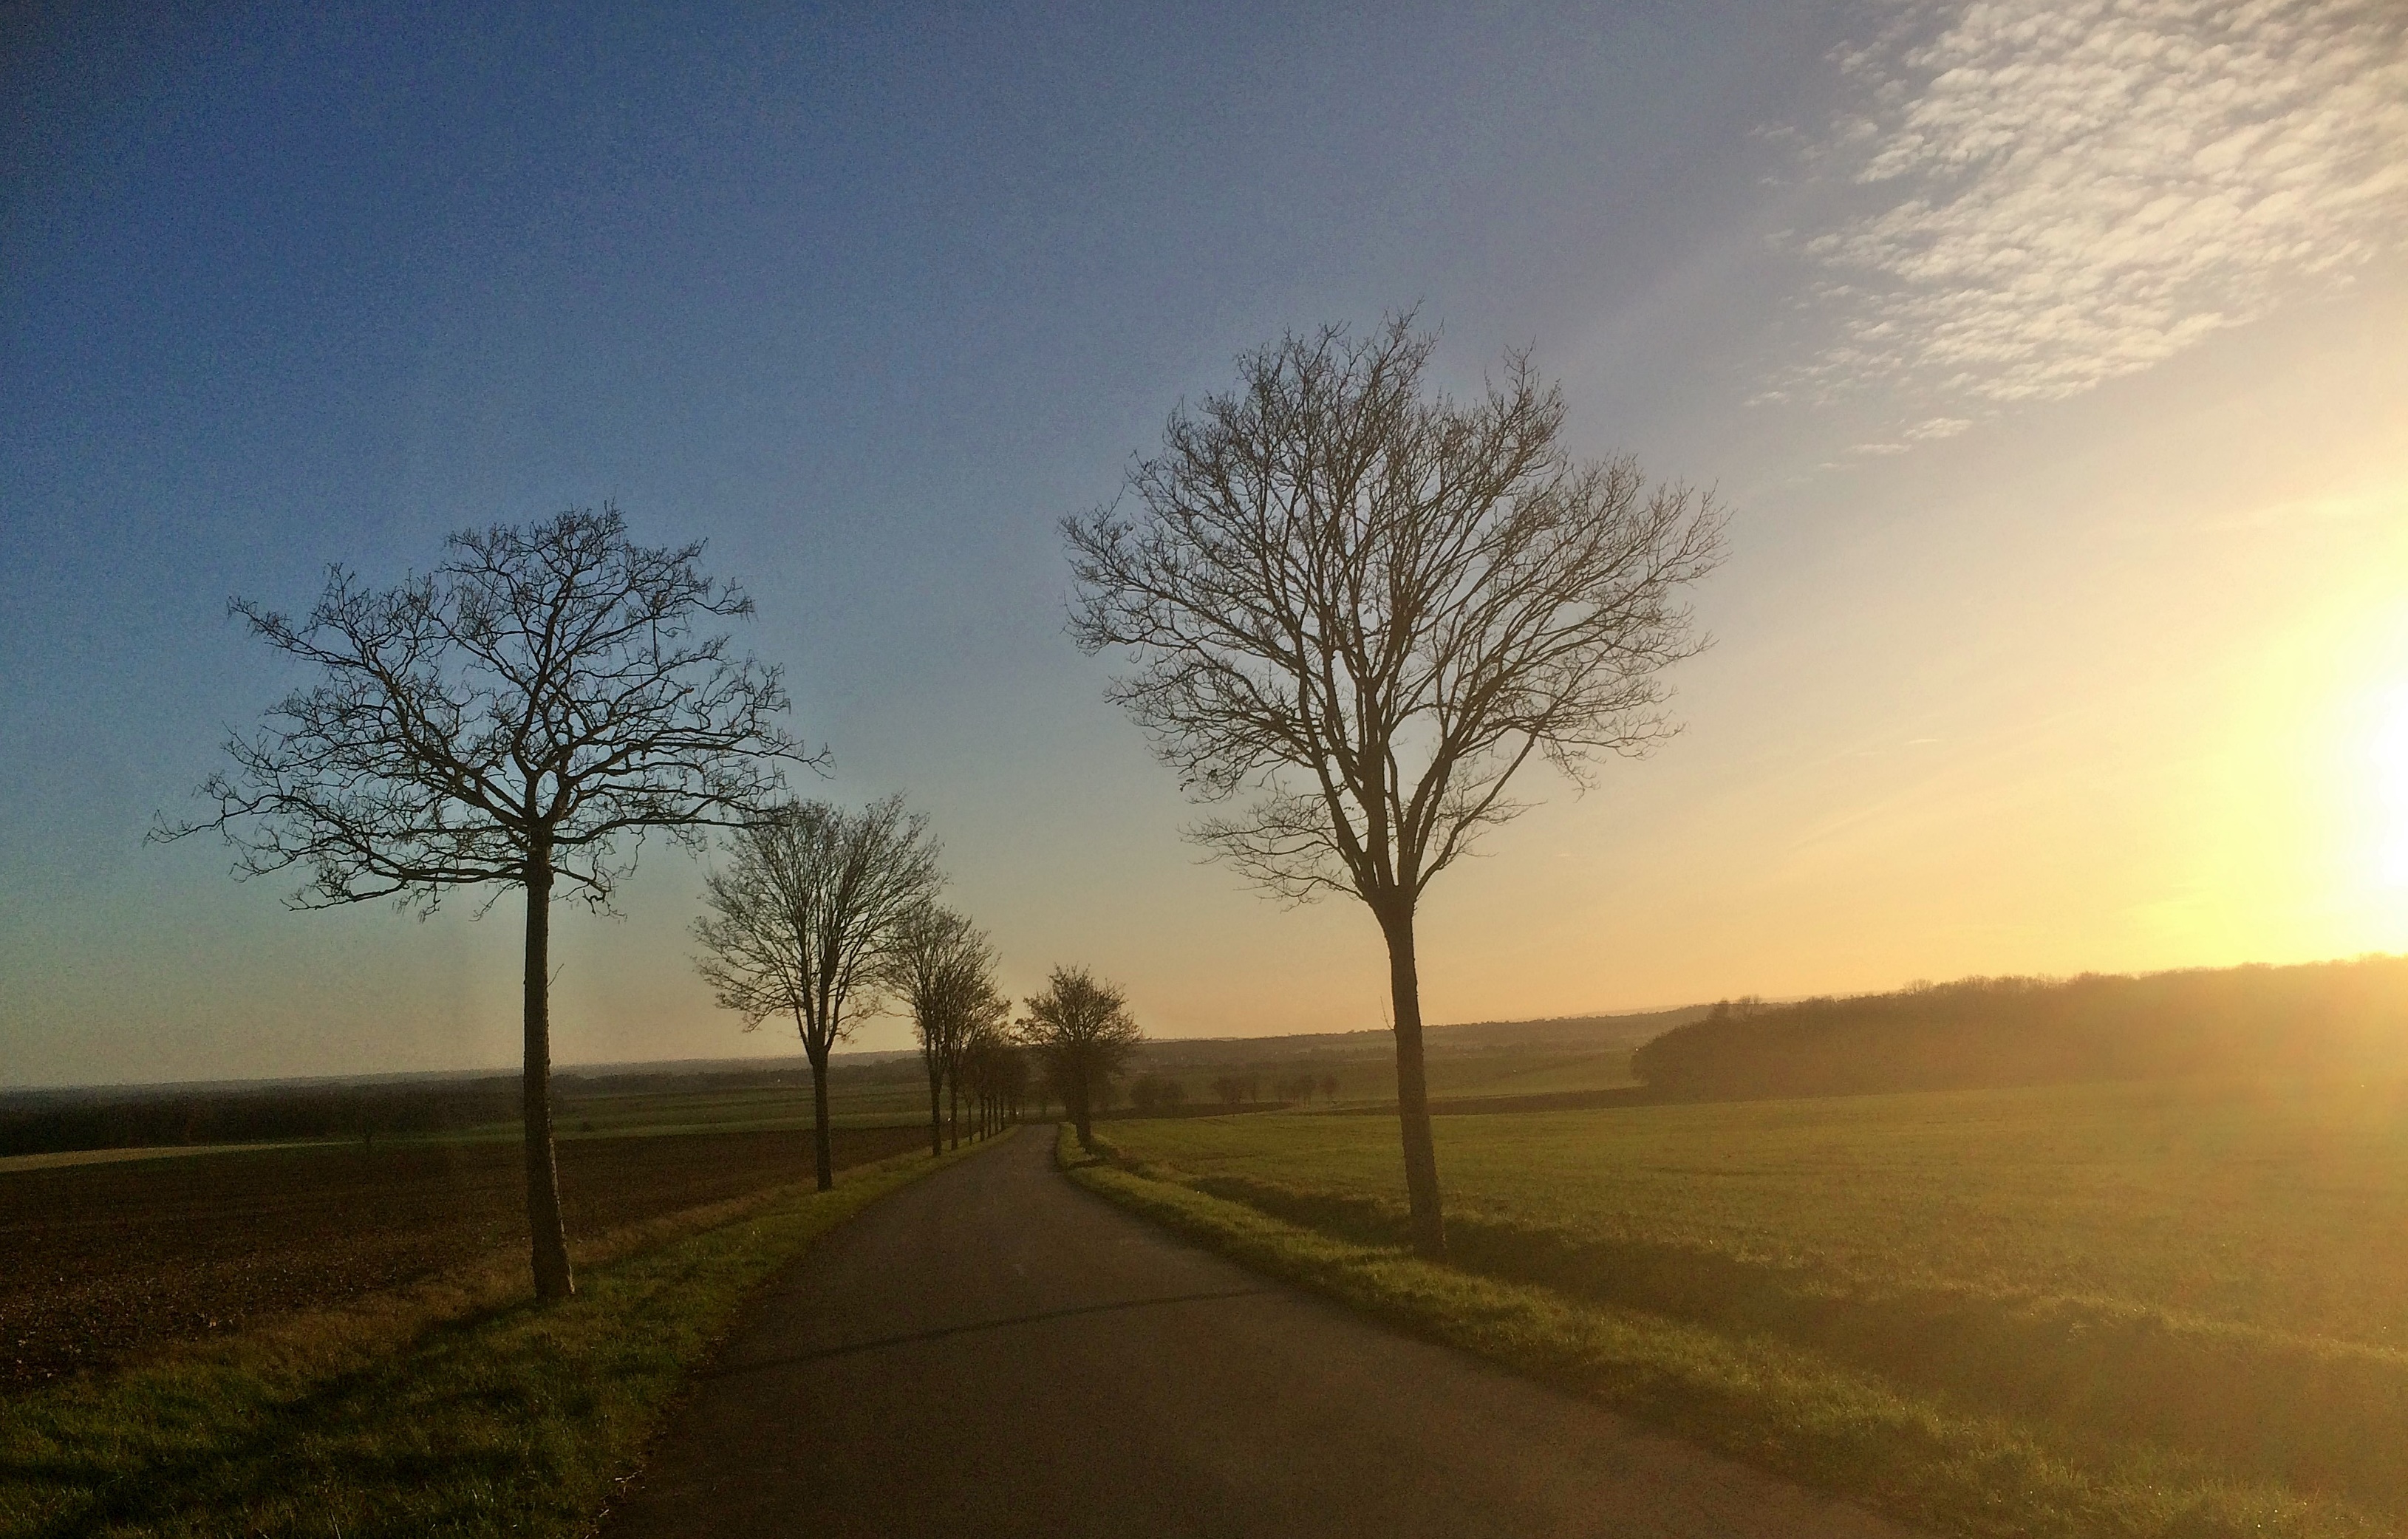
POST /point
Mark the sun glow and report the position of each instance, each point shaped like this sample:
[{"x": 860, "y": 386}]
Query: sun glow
[
  {"x": 2364, "y": 785},
  {"x": 2302, "y": 831},
  {"x": 2386, "y": 770}
]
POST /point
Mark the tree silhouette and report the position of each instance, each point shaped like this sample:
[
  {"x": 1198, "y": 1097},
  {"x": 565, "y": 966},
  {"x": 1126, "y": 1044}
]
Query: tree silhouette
[
  {"x": 1356, "y": 608},
  {"x": 806, "y": 918},
  {"x": 519, "y": 717},
  {"x": 1082, "y": 1028},
  {"x": 944, "y": 971}
]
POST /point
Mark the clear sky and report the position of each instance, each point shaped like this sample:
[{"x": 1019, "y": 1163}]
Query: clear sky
[{"x": 2050, "y": 357}]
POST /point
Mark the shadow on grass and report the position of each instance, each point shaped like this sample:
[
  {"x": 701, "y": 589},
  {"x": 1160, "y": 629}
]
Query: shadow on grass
[
  {"x": 2313, "y": 1414},
  {"x": 489, "y": 1419},
  {"x": 475, "y": 1427}
]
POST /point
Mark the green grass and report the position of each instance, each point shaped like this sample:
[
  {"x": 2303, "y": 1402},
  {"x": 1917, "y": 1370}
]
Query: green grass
[
  {"x": 453, "y": 1409},
  {"x": 1369, "y": 1075},
  {"x": 2198, "y": 1284},
  {"x": 731, "y": 1109}
]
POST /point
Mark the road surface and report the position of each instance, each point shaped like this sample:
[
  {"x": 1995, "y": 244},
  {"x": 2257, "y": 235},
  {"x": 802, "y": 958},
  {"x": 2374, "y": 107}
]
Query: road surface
[{"x": 995, "y": 1351}]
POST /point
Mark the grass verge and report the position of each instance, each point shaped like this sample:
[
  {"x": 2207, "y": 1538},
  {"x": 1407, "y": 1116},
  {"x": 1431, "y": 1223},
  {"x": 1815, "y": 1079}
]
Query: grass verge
[
  {"x": 455, "y": 1407},
  {"x": 1772, "y": 1403}
]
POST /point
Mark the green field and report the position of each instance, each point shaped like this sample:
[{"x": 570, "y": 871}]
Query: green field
[
  {"x": 735, "y": 1110},
  {"x": 1493, "y": 1059},
  {"x": 2185, "y": 1290}
]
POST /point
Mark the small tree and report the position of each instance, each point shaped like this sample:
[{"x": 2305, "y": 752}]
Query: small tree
[
  {"x": 1011, "y": 1079},
  {"x": 1358, "y": 608},
  {"x": 519, "y": 717},
  {"x": 987, "y": 1013},
  {"x": 942, "y": 971},
  {"x": 804, "y": 921},
  {"x": 1082, "y": 1028}
]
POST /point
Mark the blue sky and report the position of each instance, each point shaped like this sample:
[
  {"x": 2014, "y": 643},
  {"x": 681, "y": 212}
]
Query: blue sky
[{"x": 1973, "y": 324}]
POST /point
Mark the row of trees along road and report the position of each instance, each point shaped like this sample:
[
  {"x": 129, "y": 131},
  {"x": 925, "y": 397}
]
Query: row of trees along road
[
  {"x": 1356, "y": 608},
  {"x": 808, "y": 917},
  {"x": 519, "y": 716}
]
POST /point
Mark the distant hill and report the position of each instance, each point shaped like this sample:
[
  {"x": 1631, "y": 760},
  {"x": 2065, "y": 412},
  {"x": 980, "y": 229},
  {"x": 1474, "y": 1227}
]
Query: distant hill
[
  {"x": 2347, "y": 1017},
  {"x": 1573, "y": 1033}
]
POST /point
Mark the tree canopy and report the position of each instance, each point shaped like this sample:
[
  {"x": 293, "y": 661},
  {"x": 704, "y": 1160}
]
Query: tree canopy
[
  {"x": 522, "y": 716},
  {"x": 1355, "y": 608}
]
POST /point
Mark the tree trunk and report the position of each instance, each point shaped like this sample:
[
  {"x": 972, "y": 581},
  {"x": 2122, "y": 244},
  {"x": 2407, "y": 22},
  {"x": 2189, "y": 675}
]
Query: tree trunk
[
  {"x": 935, "y": 1111},
  {"x": 822, "y": 1152},
  {"x": 1412, "y": 1092},
  {"x": 548, "y": 1239},
  {"x": 954, "y": 1105},
  {"x": 1077, "y": 1096}
]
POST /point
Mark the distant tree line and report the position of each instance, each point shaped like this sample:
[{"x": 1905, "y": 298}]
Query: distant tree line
[
  {"x": 254, "y": 1117},
  {"x": 2329, "y": 1017}
]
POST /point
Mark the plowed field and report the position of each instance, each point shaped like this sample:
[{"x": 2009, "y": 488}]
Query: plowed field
[{"x": 101, "y": 1261}]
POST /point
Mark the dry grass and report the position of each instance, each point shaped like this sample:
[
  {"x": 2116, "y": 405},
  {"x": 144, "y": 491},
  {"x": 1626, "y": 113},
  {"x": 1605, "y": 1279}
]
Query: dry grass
[{"x": 454, "y": 1406}]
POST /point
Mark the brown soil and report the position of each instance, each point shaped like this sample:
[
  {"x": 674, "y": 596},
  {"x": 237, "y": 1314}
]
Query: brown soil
[{"x": 99, "y": 1262}]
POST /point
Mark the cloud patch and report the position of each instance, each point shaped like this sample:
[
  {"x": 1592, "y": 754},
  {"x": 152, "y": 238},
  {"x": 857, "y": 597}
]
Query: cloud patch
[{"x": 2058, "y": 194}]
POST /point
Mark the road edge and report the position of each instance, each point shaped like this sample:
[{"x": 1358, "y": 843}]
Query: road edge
[{"x": 1781, "y": 1409}]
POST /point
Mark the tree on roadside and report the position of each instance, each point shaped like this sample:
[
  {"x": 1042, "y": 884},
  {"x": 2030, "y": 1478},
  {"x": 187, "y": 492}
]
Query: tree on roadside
[
  {"x": 806, "y": 918},
  {"x": 991, "y": 1061},
  {"x": 942, "y": 971},
  {"x": 1356, "y": 608},
  {"x": 1082, "y": 1027},
  {"x": 990, "y": 1011},
  {"x": 1017, "y": 1077},
  {"x": 519, "y": 717}
]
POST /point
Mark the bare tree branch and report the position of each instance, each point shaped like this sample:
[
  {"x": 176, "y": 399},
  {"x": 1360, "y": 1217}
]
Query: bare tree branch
[
  {"x": 520, "y": 717},
  {"x": 807, "y": 920},
  {"x": 1354, "y": 610}
]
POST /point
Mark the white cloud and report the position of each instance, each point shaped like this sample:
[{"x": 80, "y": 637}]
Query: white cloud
[
  {"x": 1940, "y": 428},
  {"x": 2075, "y": 191}
]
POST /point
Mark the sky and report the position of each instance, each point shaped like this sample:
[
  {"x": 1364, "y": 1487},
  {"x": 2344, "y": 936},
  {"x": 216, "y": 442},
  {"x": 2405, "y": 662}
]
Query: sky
[{"x": 2048, "y": 356}]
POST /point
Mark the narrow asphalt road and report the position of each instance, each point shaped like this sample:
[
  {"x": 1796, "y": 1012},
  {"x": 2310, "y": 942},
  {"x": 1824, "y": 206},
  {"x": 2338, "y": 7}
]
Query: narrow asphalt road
[{"x": 995, "y": 1351}]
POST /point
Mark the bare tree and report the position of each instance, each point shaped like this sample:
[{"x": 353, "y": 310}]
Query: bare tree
[
  {"x": 942, "y": 971},
  {"x": 806, "y": 918},
  {"x": 990, "y": 1064},
  {"x": 1356, "y": 608},
  {"x": 986, "y": 1012},
  {"x": 519, "y": 717},
  {"x": 1082, "y": 1027},
  {"x": 1016, "y": 1078}
]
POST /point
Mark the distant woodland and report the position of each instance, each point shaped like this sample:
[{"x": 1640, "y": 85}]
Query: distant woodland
[{"x": 2348, "y": 1018}]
